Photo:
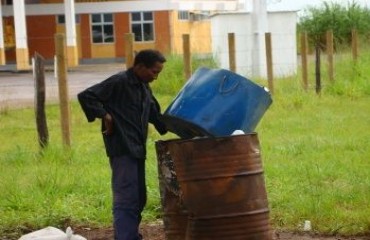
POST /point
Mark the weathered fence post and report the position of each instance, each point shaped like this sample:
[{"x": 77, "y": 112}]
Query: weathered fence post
[
  {"x": 304, "y": 53},
  {"x": 232, "y": 61},
  {"x": 318, "y": 68},
  {"x": 41, "y": 123},
  {"x": 129, "y": 49},
  {"x": 187, "y": 55},
  {"x": 330, "y": 53},
  {"x": 269, "y": 63},
  {"x": 354, "y": 45},
  {"x": 63, "y": 87}
]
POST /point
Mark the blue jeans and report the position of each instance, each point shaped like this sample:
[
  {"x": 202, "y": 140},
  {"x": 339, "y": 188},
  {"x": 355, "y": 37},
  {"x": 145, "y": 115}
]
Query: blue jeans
[{"x": 129, "y": 196}]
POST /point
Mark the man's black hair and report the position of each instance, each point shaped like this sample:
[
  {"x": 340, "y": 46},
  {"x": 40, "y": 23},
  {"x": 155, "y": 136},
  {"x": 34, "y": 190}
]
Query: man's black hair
[{"x": 149, "y": 57}]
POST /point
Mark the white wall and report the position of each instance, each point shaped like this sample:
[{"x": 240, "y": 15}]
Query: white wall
[
  {"x": 240, "y": 25},
  {"x": 282, "y": 26}
]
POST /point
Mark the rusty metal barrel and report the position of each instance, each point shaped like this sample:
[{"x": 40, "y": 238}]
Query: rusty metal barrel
[
  {"x": 174, "y": 213},
  {"x": 222, "y": 186}
]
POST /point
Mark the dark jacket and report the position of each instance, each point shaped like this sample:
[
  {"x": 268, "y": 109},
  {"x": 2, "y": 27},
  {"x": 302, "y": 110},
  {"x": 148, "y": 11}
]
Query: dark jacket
[{"x": 131, "y": 105}]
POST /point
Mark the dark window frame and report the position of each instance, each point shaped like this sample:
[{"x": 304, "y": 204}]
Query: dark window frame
[
  {"x": 183, "y": 15},
  {"x": 61, "y": 19},
  {"x": 142, "y": 26},
  {"x": 102, "y": 28}
]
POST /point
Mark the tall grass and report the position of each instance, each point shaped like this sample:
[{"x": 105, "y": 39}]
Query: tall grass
[
  {"x": 352, "y": 78},
  {"x": 315, "y": 151}
]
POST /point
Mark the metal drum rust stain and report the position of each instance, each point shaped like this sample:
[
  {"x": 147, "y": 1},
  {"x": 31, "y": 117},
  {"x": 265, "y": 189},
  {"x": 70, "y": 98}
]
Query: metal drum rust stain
[
  {"x": 222, "y": 186},
  {"x": 174, "y": 213}
]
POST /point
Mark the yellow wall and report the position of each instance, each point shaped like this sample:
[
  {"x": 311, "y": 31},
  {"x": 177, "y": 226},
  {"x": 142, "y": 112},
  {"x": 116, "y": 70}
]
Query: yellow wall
[
  {"x": 103, "y": 50},
  {"x": 2, "y": 56},
  {"x": 199, "y": 31},
  {"x": 141, "y": 46},
  {"x": 9, "y": 33}
]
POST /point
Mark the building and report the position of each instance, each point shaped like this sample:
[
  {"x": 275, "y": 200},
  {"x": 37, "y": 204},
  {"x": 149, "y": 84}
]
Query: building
[
  {"x": 95, "y": 29},
  {"x": 251, "y": 55}
]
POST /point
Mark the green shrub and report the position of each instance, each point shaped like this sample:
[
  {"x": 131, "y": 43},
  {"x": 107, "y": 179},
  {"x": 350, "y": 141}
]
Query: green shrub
[{"x": 341, "y": 19}]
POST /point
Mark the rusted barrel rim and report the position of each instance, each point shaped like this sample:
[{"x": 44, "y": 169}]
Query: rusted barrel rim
[
  {"x": 231, "y": 215},
  {"x": 200, "y": 178}
]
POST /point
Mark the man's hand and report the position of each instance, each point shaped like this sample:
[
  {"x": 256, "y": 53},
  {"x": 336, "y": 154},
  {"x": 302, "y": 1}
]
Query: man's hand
[{"x": 108, "y": 123}]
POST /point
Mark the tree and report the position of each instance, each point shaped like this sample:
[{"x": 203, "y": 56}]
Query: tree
[{"x": 316, "y": 21}]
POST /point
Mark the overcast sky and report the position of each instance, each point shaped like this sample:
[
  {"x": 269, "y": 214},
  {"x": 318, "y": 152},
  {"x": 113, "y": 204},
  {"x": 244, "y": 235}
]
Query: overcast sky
[{"x": 301, "y": 4}]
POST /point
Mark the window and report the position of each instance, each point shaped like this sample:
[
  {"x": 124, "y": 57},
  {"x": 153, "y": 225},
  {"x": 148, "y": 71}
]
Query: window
[
  {"x": 102, "y": 28},
  {"x": 142, "y": 26},
  {"x": 199, "y": 16},
  {"x": 62, "y": 20},
  {"x": 183, "y": 15}
]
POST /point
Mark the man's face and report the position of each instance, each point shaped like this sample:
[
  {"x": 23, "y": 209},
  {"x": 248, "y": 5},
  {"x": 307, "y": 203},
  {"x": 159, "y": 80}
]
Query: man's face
[{"x": 149, "y": 74}]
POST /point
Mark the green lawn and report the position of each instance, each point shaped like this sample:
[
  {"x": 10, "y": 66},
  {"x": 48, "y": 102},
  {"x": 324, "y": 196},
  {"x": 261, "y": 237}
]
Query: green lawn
[{"x": 315, "y": 153}]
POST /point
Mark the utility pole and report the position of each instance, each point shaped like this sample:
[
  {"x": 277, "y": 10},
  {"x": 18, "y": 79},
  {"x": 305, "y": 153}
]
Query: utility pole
[{"x": 260, "y": 27}]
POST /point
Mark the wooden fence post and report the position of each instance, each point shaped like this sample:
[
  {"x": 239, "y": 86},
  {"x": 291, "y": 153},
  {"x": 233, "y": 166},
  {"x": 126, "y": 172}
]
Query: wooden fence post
[
  {"x": 232, "y": 61},
  {"x": 269, "y": 63},
  {"x": 41, "y": 123},
  {"x": 330, "y": 53},
  {"x": 63, "y": 87},
  {"x": 187, "y": 55},
  {"x": 304, "y": 53},
  {"x": 354, "y": 45},
  {"x": 129, "y": 49},
  {"x": 318, "y": 68}
]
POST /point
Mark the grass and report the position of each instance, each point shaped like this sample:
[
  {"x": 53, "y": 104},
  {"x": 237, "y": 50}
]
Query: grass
[
  {"x": 315, "y": 151},
  {"x": 316, "y": 163}
]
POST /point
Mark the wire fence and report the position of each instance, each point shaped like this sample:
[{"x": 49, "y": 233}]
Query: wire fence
[{"x": 280, "y": 55}]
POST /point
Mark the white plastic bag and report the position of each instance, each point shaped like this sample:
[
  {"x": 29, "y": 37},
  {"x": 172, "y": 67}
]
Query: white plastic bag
[{"x": 52, "y": 233}]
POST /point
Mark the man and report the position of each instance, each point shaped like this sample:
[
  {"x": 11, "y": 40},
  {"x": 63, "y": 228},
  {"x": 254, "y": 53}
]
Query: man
[{"x": 126, "y": 105}]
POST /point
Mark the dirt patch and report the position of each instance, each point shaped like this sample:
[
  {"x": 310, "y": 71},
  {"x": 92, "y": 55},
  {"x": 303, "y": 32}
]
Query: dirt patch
[{"x": 156, "y": 232}]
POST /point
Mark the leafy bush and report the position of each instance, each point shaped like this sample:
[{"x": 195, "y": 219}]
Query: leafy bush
[{"x": 341, "y": 19}]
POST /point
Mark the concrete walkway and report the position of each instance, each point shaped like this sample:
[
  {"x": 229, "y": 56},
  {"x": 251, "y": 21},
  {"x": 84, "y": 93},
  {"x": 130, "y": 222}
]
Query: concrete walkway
[{"x": 17, "y": 88}]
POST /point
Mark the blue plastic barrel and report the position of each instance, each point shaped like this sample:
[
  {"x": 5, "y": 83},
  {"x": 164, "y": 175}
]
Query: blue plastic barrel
[{"x": 216, "y": 102}]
